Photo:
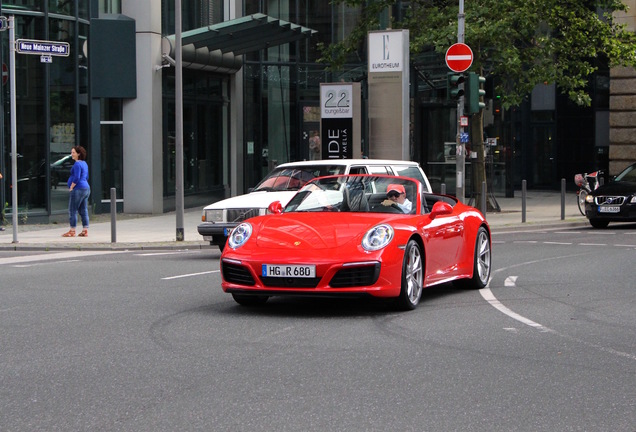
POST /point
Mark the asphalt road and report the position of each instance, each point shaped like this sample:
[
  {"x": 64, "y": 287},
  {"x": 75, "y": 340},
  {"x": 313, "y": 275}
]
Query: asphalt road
[{"x": 147, "y": 341}]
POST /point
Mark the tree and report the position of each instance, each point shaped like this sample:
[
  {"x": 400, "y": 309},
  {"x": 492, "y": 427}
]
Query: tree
[{"x": 519, "y": 43}]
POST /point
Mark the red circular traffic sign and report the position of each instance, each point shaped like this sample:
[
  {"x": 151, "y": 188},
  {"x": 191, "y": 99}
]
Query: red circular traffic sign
[{"x": 459, "y": 57}]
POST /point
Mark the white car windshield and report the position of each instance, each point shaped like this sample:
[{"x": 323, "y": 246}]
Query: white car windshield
[
  {"x": 293, "y": 178},
  {"x": 356, "y": 193}
]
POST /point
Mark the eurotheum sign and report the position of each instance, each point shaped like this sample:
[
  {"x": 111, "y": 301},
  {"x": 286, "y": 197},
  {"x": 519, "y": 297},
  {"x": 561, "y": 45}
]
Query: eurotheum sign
[{"x": 386, "y": 52}]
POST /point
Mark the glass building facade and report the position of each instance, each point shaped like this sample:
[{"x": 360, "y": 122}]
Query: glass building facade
[
  {"x": 238, "y": 125},
  {"x": 51, "y": 109}
]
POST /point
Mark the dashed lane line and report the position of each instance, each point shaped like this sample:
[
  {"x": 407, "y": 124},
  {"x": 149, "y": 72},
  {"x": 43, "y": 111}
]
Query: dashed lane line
[{"x": 189, "y": 275}]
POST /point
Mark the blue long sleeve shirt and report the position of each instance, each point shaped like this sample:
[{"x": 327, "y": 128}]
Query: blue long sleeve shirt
[{"x": 79, "y": 175}]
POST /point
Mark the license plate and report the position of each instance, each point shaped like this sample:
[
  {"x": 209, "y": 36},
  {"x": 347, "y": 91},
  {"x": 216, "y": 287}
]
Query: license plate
[
  {"x": 297, "y": 271},
  {"x": 227, "y": 231},
  {"x": 609, "y": 209}
]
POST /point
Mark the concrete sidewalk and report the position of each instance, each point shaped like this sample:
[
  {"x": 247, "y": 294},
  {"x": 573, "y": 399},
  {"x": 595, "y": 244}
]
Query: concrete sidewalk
[{"x": 543, "y": 208}]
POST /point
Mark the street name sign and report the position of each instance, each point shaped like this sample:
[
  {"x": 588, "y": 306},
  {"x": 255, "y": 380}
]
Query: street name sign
[
  {"x": 459, "y": 57},
  {"x": 39, "y": 47}
]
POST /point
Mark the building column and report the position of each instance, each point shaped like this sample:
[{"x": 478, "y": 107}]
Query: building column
[
  {"x": 622, "y": 118},
  {"x": 142, "y": 117}
]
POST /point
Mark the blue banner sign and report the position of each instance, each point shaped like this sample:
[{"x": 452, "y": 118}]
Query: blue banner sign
[{"x": 38, "y": 47}]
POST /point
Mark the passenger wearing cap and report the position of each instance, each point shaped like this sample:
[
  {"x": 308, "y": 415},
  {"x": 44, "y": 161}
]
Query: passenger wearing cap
[{"x": 396, "y": 194}]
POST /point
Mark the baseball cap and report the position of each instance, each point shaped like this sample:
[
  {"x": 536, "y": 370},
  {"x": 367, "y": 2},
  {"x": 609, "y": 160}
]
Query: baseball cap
[{"x": 396, "y": 187}]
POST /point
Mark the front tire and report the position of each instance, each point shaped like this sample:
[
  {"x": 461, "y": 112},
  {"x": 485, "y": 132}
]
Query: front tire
[
  {"x": 481, "y": 262},
  {"x": 412, "y": 277},
  {"x": 598, "y": 223}
]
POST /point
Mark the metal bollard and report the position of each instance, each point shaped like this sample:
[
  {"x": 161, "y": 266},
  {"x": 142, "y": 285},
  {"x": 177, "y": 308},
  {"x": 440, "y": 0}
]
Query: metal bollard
[
  {"x": 113, "y": 215},
  {"x": 523, "y": 201},
  {"x": 562, "y": 199},
  {"x": 443, "y": 190}
]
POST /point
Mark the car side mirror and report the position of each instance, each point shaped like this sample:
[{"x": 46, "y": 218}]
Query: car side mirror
[
  {"x": 441, "y": 208},
  {"x": 275, "y": 208}
]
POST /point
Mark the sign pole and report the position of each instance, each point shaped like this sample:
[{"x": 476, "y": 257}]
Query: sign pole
[
  {"x": 460, "y": 158},
  {"x": 14, "y": 136},
  {"x": 178, "y": 78}
]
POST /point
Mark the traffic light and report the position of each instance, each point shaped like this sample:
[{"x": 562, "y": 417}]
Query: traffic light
[
  {"x": 497, "y": 105},
  {"x": 454, "y": 86},
  {"x": 474, "y": 93}
]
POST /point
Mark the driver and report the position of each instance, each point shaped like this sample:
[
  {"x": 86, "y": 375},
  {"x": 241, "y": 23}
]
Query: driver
[{"x": 396, "y": 194}]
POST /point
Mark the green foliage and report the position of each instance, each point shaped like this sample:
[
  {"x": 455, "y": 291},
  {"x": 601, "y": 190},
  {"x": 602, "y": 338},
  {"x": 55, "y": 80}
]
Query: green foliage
[{"x": 521, "y": 43}]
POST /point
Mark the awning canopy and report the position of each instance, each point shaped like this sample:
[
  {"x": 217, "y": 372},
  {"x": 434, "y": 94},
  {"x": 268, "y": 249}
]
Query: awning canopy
[{"x": 218, "y": 47}]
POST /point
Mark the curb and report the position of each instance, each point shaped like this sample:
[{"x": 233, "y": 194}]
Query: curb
[{"x": 106, "y": 246}]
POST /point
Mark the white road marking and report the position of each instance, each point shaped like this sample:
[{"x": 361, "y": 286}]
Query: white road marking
[
  {"x": 41, "y": 264},
  {"x": 190, "y": 274},
  {"x": 166, "y": 253},
  {"x": 511, "y": 281},
  {"x": 487, "y": 294},
  {"x": 490, "y": 298},
  {"x": 55, "y": 256},
  {"x": 557, "y": 243},
  {"x": 592, "y": 244}
]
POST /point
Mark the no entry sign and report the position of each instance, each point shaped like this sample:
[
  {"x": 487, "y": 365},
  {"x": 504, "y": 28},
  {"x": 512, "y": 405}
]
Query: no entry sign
[{"x": 459, "y": 57}]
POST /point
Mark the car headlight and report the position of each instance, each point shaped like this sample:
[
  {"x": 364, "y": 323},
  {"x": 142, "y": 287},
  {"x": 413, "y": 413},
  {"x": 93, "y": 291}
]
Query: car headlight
[
  {"x": 589, "y": 198},
  {"x": 377, "y": 237},
  {"x": 240, "y": 235},
  {"x": 214, "y": 216},
  {"x": 633, "y": 200}
]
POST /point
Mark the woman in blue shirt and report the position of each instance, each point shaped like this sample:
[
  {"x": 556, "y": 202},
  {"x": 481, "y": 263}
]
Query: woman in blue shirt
[{"x": 79, "y": 192}]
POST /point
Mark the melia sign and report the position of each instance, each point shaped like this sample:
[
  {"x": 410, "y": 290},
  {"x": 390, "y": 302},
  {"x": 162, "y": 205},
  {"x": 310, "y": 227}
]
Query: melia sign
[{"x": 340, "y": 120}]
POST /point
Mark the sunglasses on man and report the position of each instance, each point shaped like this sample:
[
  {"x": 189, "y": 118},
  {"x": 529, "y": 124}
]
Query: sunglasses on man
[{"x": 393, "y": 194}]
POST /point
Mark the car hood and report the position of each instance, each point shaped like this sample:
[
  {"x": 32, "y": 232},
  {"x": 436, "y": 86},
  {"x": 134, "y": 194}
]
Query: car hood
[
  {"x": 253, "y": 200},
  {"x": 303, "y": 231},
  {"x": 616, "y": 188}
]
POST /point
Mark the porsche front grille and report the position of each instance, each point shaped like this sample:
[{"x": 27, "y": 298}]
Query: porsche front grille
[{"x": 356, "y": 276}]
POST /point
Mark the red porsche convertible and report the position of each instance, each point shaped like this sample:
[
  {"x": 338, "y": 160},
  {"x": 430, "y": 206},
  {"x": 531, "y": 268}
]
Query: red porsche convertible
[{"x": 357, "y": 235}]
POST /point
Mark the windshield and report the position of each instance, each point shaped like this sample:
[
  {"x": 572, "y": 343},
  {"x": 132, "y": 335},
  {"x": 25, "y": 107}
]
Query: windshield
[
  {"x": 356, "y": 193},
  {"x": 293, "y": 178},
  {"x": 628, "y": 175}
]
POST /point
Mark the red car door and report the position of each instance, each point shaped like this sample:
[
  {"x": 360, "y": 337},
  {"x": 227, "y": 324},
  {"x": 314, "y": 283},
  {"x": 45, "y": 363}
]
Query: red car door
[{"x": 443, "y": 237}]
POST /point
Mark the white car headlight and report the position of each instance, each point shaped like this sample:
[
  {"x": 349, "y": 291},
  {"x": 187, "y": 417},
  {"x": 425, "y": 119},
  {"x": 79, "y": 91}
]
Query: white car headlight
[
  {"x": 377, "y": 237},
  {"x": 589, "y": 198},
  {"x": 214, "y": 216},
  {"x": 240, "y": 235},
  {"x": 633, "y": 200}
]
